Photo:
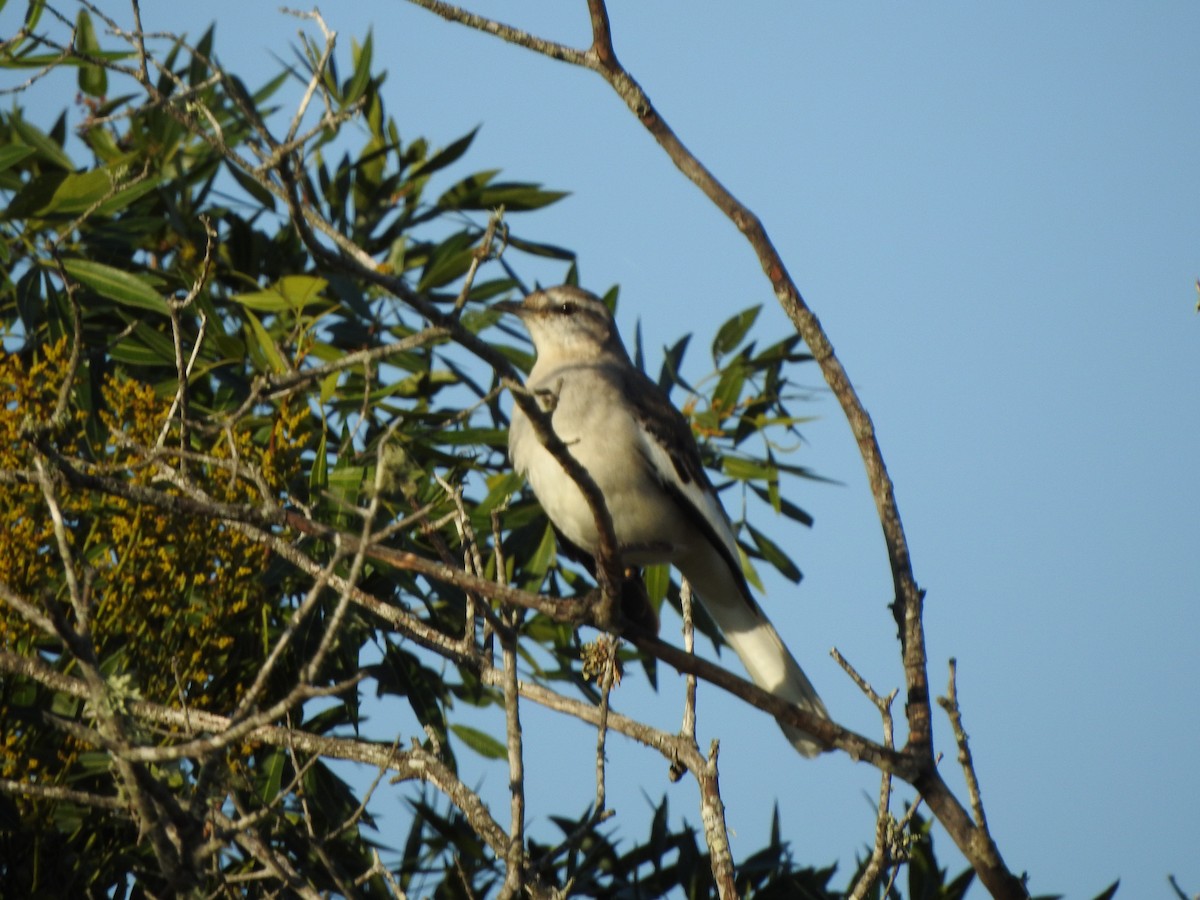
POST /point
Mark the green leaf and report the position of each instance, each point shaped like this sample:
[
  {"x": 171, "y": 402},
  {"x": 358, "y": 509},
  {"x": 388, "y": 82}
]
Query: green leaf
[
  {"x": 347, "y": 482},
  {"x": 127, "y": 195},
  {"x": 292, "y": 292},
  {"x": 319, "y": 476},
  {"x": 47, "y": 149},
  {"x": 545, "y": 554},
  {"x": 36, "y": 194},
  {"x": 33, "y": 13},
  {"x": 749, "y": 571},
  {"x": 448, "y": 261},
  {"x": 729, "y": 390},
  {"x": 78, "y": 192},
  {"x": 13, "y": 154},
  {"x": 501, "y": 486},
  {"x": 658, "y": 581},
  {"x": 271, "y": 775},
  {"x": 464, "y": 194},
  {"x": 357, "y": 83},
  {"x": 672, "y": 360},
  {"x": 116, "y": 284},
  {"x": 733, "y": 331},
  {"x": 774, "y": 554},
  {"x": 783, "y": 505},
  {"x": 265, "y": 345},
  {"x": 534, "y": 248},
  {"x": 446, "y": 155},
  {"x": 515, "y": 197},
  {"x": 93, "y": 80},
  {"x": 481, "y": 742},
  {"x": 156, "y": 341},
  {"x": 329, "y": 386},
  {"x": 748, "y": 469},
  {"x": 264, "y": 197},
  {"x": 135, "y": 353},
  {"x": 198, "y": 65}
]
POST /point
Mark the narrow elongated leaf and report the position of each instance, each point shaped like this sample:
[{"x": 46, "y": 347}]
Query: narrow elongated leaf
[
  {"x": 127, "y": 196},
  {"x": 545, "y": 554},
  {"x": 93, "y": 80},
  {"x": 514, "y": 197},
  {"x": 328, "y": 386},
  {"x": 45, "y": 146},
  {"x": 265, "y": 92},
  {"x": 134, "y": 352},
  {"x": 669, "y": 375},
  {"x": 748, "y": 470},
  {"x": 347, "y": 482},
  {"x": 657, "y": 580},
  {"x": 500, "y": 487},
  {"x": 749, "y": 571},
  {"x": 481, "y": 742},
  {"x": 357, "y": 83},
  {"x": 447, "y": 155},
  {"x": 783, "y": 505},
  {"x": 271, "y": 775},
  {"x": 733, "y": 331},
  {"x": 33, "y": 13},
  {"x": 252, "y": 187},
  {"x": 116, "y": 284},
  {"x": 35, "y": 195},
  {"x": 197, "y": 68},
  {"x": 265, "y": 346},
  {"x": 292, "y": 292},
  {"x": 729, "y": 390},
  {"x": 13, "y": 154},
  {"x": 774, "y": 554},
  {"x": 534, "y": 248},
  {"x": 78, "y": 192},
  {"x": 464, "y": 194},
  {"x": 319, "y": 476},
  {"x": 301, "y": 290},
  {"x": 447, "y": 261}
]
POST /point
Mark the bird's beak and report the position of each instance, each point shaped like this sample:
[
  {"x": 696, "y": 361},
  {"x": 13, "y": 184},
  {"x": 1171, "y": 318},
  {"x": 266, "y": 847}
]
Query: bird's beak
[{"x": 510, "y": 306}]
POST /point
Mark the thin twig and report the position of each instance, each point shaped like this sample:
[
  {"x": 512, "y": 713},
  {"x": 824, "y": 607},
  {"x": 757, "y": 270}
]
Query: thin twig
[
  {"x": 608, "y": 647},
  {"x": 480, "y": 254},
  {"x": 885, "y": 832},
  {"x": 950, "y": 704}
]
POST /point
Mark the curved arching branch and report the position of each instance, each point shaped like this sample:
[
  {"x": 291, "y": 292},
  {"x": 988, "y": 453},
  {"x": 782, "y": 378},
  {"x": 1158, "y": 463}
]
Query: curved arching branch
[{"x": 973, "y": 839}]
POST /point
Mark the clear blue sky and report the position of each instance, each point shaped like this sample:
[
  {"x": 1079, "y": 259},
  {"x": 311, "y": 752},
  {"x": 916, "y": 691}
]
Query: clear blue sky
[{"x": 995, "y": 210}]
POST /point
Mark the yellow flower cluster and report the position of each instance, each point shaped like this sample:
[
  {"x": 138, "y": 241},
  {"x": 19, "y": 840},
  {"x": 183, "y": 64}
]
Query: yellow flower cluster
[{"x": 178, "y": 602}]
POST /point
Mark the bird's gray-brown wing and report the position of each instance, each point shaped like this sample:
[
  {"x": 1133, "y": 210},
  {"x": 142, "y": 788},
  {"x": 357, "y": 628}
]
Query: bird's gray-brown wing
[{"x": 669, "y": 448}]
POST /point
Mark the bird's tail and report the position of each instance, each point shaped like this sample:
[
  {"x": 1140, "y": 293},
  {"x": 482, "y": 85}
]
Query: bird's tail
[
  {"x": 772, "y": 667},
  {"x": 754, "y": 639}
]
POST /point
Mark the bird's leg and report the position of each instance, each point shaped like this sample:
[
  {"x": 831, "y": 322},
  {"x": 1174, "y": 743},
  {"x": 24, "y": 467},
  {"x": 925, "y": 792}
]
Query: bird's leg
[{"x": 637, "y": 611}]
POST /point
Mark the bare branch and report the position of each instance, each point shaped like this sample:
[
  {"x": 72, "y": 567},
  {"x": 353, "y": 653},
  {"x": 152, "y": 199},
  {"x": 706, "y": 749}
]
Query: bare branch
[
  {"x": 716, "y": 833},
  {"x": 515, "y": 859},
  {"x": 885, "y": 823},
  {"x": 54, "y": 792},
  {"x": 908, "y": 603}
]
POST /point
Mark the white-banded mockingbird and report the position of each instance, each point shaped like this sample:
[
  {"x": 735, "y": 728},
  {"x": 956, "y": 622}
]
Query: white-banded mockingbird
[{"x": 640, "y": 452}]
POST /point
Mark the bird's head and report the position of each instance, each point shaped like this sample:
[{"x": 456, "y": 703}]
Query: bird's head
[{"x": 567, "y": 321}]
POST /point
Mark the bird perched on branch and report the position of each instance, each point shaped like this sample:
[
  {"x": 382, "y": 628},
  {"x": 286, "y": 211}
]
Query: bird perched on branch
[{"x": 640, "y": 452}]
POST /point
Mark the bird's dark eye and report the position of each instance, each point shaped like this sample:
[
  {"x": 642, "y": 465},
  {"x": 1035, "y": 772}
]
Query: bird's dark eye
[{"x": 566, "y": 309}]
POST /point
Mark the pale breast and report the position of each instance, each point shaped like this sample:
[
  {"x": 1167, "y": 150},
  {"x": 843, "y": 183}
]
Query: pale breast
[{"x": 591, "y": 419}]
